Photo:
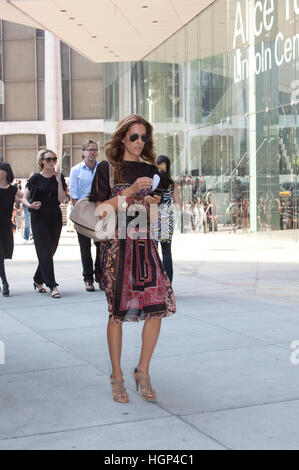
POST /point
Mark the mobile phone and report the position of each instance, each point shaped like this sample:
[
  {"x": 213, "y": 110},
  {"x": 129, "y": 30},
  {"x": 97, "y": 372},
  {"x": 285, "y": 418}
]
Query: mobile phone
[{"x": 157, "y": 192}]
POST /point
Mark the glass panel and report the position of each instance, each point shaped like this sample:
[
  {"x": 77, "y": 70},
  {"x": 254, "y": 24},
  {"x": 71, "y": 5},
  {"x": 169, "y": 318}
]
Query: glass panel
[
  {"x": 206, "y": 65},
  {"x": 66, "y": 161},
  {"x": 79, "y": 138},
  {"x": 193, "y": 90},
  {"x": 41, "y": 140},
  {"x": 67, "y": 140},
  {"x": 20, "y": 160},
  {"x": 220, "y": 64},
  {"x": 65, "y": 60},
  {"x": 284, "y": 74},
  {"x": 20, "y": 101},
  {"x": 263, "y": 177},
  {"x": 111, "y": 93},
  {"x": 17, "y": 31},
  {"x": 40, "y": 45},
  {"x": 41, "y": 100},
  {"x": 84, "y": 68},
  {"x": 66, "y": 99},
  {"x": 40, "y": 33},
  {"x": 21, "y": 140},
  {"x": 87, "y": 99},
  {"x": 19, "y": 63},
  {"x": 1, "y": 58}
]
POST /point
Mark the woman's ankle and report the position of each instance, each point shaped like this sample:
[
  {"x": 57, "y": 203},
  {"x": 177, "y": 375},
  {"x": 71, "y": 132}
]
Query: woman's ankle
[
  {"x": 142, "y": 370},
  {"x": 117, "y": 375}
]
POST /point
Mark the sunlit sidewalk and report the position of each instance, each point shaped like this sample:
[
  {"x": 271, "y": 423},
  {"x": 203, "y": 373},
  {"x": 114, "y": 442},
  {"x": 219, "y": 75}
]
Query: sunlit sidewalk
[{"x": 225, "y": 368}]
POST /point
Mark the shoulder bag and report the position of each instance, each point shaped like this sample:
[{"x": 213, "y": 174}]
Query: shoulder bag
[{"x": 85, "y": 217}]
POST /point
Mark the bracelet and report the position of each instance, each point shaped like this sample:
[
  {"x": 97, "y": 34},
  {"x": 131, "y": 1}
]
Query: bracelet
[{"x": 129, "y": 199}]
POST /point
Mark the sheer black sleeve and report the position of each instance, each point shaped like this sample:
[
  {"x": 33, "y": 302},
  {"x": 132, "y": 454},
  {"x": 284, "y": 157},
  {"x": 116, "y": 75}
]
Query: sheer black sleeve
[
  {"x": 31, "y": 181},
  {"x": 100, "y": 188}
]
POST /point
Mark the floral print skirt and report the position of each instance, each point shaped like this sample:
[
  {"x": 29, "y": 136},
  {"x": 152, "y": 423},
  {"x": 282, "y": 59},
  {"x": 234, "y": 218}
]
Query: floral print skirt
[{"x": 134, "y": 279}]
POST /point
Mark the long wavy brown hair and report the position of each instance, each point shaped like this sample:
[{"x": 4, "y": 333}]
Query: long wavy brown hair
[{"x": 114, "y": 148}]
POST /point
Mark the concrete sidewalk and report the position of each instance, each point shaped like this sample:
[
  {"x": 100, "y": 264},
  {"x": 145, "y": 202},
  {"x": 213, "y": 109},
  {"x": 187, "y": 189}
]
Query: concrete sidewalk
[{"x": 222, "y": 368}]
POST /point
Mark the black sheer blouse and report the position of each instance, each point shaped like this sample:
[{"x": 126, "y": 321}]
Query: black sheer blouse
[
  {"x": 100, "y": 188},
  {"x": 46, "y": 191}
]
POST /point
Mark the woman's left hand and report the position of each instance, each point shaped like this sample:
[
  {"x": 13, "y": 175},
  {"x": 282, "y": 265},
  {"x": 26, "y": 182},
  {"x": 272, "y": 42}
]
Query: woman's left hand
[{"x": 152, "y": 199}]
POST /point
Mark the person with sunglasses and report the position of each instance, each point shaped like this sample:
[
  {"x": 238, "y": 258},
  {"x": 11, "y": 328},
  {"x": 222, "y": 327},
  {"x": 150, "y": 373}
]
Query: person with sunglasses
[
  {"x": 44, "y": 193},
  {"x": 135, "y": 282},
  {"x": 81, "y": 177}
]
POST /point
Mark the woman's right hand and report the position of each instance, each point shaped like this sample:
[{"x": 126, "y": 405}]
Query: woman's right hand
[
  {"x": 140, "y": 184},
  {"x": 35, "y": 205}
]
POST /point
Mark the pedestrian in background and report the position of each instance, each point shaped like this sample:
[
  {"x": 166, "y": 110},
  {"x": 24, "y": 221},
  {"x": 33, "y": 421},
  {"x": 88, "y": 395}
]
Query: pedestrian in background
[
  {"x": 8, "y": 194},
  {"x": 165, "y": 228},
  {"x": 81, "y": 177},
  {"x": 44, "y": 193}
]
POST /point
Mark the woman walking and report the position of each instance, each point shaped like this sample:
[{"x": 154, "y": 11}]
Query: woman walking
[
  {"x": 44, "y": 193},
  {"x": 133, "y": 277},
  {"x": 165, "y": 226},
  {"x": 8, "y": 194}
]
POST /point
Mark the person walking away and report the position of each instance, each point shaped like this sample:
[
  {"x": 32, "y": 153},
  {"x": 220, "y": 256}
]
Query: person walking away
[
  {"x": 81, "y": 178},
  {"x": 44, "y": 193},
  {"x": 8, "y": 194}
]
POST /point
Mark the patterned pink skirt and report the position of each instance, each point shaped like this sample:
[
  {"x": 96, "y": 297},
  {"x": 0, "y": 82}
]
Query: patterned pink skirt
[{"x": 135, "y": 281}]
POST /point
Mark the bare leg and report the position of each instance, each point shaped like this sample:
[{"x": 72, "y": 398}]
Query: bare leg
[
  {"x": 114, "y": 336},
  {"x": 150, "y": 335}
]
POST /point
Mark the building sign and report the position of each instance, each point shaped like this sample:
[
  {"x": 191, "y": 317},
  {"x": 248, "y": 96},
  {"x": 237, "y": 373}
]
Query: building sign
[{"x": 250, "y": 23}]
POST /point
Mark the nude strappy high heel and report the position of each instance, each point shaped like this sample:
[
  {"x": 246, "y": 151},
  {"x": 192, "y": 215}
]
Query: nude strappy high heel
[
  {"x": 144, "y": 381},
  {"x": 118, "y": 391}
]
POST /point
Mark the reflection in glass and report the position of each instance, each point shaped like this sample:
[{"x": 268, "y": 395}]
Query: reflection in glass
[{"x": 229, "y": 126}]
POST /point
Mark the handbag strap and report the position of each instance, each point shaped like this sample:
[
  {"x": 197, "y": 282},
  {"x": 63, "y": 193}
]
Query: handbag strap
[{"x": 111, "y": 176}]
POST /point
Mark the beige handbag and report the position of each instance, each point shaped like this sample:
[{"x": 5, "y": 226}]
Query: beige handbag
[{"x": 86, "y": 220}]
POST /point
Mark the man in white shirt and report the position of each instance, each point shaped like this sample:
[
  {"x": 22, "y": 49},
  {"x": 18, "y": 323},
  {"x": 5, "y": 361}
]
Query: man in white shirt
[{"x": 81, "y": 177}]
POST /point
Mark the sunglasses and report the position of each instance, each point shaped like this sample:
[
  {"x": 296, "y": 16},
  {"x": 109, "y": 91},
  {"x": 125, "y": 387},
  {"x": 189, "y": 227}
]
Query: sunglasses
[
  {"x": 144, "y": 137},
  {"x": 51, "y": 159}
]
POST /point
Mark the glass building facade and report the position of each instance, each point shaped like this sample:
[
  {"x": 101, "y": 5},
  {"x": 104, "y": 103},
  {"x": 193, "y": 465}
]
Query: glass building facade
[
  {"x": 82, "y": 86},
  {"x": 22, "y": 92},
  {"x": 23, "y": 66},
  {"x": 222, "y": 95},
  {"x": 22, "y": 72}
]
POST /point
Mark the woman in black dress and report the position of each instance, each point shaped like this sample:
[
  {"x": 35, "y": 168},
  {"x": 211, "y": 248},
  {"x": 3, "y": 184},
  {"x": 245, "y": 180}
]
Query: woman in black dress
[
  {"x": 8, "y": 195},
  {"x": 44, "y": 193},
  {"x": 133, "y": 277}
]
